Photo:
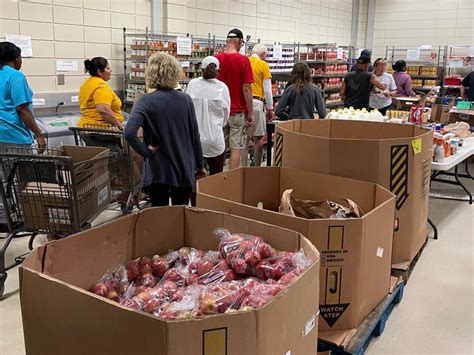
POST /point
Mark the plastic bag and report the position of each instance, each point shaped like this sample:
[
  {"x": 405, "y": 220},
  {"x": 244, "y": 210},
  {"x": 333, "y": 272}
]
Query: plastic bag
[{"x": 242, "y": 252}]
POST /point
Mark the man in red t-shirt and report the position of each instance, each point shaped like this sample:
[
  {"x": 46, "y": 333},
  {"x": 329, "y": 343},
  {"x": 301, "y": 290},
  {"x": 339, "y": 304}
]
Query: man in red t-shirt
[{"x": 236, "y": 72}]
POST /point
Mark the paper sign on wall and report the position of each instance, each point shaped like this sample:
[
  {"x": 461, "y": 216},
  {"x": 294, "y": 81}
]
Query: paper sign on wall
[
  {"x": 426, "y": 47},
  {"x": 66, "y": 65},
  {"x": 277, "y": 51},
  {"x": 340, "y": 53},
  {"x": 413, "y": 54},
  {"x": 184, "y": 46},
  {"x": 39, "y": 102},
  {"x": 23, "y": 42}
]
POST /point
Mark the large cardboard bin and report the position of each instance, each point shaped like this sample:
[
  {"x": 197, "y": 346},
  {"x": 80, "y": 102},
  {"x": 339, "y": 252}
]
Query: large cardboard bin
[
  {"x": 61, "y": 317},
  {"x": 397, "y": 157},
  {"x": 62, "y": 195},
  {"x": 355, "y": 253}
]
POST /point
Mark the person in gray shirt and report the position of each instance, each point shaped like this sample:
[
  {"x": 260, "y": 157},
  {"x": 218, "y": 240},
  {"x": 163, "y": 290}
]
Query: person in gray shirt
[
  {"x": 301, "y": 97},
  {"x": 171, "y": 144}
]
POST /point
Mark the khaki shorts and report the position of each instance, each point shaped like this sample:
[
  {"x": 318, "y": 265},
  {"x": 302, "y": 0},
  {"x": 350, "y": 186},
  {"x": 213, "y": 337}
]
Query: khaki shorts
[
  {"x": 259, "y": 128},
  {"x": 234, "y": 131}
]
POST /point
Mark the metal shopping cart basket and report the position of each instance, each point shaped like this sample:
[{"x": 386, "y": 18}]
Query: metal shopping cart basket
[
  {"x": 125, "y": 165},
  {"x": 60, "y": 191}
]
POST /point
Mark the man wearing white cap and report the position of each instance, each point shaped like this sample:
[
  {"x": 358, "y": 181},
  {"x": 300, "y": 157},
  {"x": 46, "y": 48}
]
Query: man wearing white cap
[{"x": 212, "y": 105}]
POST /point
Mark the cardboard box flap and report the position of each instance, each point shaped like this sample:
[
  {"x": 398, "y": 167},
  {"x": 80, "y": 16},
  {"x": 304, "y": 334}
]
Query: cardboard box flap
[
  {"x": 73, "y": 323},
  {"x": 153, "y": 230},
  {"x": 35, "y": 259},
  {"x": 81, "y": 260},
  {"x": 262, "y": 185},
  {"x": 221, "y": 181},
  {"x": 81, "y": 153}
]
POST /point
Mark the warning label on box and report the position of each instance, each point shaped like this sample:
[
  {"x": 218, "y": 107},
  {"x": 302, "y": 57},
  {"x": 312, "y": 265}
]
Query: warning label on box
[
  {"x": 333, "y": 257},
  {"x": 331, "y": 313}
]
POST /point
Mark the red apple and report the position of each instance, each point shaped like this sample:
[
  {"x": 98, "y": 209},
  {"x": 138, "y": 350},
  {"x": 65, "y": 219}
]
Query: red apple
[
  {"x": 113, "y": 295},
  {"x": 265, "y": 250},
  {"x": 140, "y": 289},
  {"x": 152, "y": 306},
  {"x": 263, "y": 270},
  {"x": 131, "y": 303},
  {"x": 99, "y": 289},
  {"x": 111, "y": 284},
  {"x": 239, "y": 266},
  {"x": 178, "y": 295},
  {"x": 159, "y": 266},
  {"x": 191, "y": 279},
  {"x": 230, "y": 275},
  {"x": 208, "y": 306},
  {"x": 132, "y": 269},
  {"x": 252, "y": 257},
  {"x": 145, "y": 260},
  {"x": 176, "y": 276},
  {"x": 145, "y": 269},
  {"x": 203, "y": 267}
]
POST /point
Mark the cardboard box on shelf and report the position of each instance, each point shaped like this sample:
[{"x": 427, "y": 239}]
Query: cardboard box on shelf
[
  {"x": 397, "y": 157},
  {"x": 356, "y": 253},
  {"x": 54, "y": 300},
  {"x": 60, "y": 197}
]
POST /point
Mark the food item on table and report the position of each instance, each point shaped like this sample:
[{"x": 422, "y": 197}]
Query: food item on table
[{"x": 245, "y": 273}]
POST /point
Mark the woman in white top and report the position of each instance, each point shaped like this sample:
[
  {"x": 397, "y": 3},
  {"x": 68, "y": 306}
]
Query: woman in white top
[
  {"x": 212, "y": 105},
  {"x": 381, "y": 99}
]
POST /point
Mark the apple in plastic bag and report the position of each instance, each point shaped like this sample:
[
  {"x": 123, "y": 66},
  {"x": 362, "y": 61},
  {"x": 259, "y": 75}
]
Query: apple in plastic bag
[
  {"x": 99, "y": 289},
  {"x": 159, "y": 266},
  {"x": 133, "y": 267}
]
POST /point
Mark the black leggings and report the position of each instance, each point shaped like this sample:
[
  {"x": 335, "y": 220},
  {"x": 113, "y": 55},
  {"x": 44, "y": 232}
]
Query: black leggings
[{"x": 160, "y": 195}]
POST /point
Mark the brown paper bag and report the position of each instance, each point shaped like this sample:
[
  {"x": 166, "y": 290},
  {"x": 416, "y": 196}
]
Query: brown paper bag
[{"x": 318, "y": 209}]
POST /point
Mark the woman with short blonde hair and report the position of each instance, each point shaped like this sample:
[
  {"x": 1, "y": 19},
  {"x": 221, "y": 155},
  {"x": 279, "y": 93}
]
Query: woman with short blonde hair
[
  {"x": 171, "y": 145},
  {"x": 163, "y": 71},
  {"x": 382, "y": 99}
]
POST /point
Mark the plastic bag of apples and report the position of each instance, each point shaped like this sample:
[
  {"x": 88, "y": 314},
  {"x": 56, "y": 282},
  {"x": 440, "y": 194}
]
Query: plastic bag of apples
[{"x": 245, "y": 273}]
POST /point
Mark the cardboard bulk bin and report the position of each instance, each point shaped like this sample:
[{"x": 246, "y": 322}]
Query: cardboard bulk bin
[
  {"x": 355, "y": 253},
  {"x": 61, "y": 317},
  {"x": 397, "y": 157}
]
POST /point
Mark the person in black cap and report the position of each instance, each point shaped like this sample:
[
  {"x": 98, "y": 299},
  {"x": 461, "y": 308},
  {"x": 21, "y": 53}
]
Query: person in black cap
[
  {"x": 356, "y": 87},
  {"x": 364, "y": 53},
  {"x": 236, "y": 72}
]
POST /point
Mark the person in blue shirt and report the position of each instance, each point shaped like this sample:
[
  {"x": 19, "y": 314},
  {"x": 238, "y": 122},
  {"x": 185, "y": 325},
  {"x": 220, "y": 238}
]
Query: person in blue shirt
[{"x": 16, "y": 118}]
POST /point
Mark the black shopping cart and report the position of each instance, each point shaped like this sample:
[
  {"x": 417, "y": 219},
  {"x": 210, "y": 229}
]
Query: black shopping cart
[
  {"x": 125, "y": 165},
  {"x": 60, "y": 192}
]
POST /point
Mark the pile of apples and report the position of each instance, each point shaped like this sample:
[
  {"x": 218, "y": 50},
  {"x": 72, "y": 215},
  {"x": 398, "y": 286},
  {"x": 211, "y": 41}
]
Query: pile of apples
[{"x": 246, "y": 273}]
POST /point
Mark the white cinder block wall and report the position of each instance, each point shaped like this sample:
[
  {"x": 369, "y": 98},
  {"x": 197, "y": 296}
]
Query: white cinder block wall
[
  {"x": 411, "y": 23},
  {"x": 72, "y": 30},
  {"x": 307, "y": 21}
]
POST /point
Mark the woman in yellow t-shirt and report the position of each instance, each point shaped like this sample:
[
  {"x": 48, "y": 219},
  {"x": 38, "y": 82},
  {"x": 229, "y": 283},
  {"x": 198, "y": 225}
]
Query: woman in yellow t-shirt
[{"x": 98, "y": 102}]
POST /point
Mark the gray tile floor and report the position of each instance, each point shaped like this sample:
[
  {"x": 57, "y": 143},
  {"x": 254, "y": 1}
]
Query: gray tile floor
[{"x": 435, "y": 315}]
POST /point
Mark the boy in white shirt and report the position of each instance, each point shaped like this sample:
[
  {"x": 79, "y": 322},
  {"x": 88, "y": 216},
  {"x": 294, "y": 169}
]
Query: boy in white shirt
[{"x": 212, "y": 105}]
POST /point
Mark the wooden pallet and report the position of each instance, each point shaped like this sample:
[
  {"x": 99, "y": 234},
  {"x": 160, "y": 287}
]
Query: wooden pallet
[
  {"x": 405, "y": 274},
  {"x": 372, "y": 327}
]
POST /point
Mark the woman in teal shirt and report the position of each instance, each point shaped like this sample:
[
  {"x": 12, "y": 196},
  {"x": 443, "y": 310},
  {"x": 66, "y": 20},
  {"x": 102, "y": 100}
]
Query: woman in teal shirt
[{"x": 16, "y": 119}]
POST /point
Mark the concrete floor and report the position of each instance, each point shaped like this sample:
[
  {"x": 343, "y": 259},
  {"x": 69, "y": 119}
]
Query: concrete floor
[{"x": 435, "y": 316}]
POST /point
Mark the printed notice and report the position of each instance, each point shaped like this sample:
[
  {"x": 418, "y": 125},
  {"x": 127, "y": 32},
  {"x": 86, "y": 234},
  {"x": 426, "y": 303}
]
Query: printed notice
[
  {"x": 413, "y": 54},
  {"x": 340, "y": 53},
  {"x": 39, "y": 102},
  {"x": 184, "y": 46},
  {"x": 67, "y": 65},
  {"x": 277, "y": 52},
  {"x": 380, "y": 252},
  {"x": 23, "y": 42},
  {"x": 416, "y": 145}
]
